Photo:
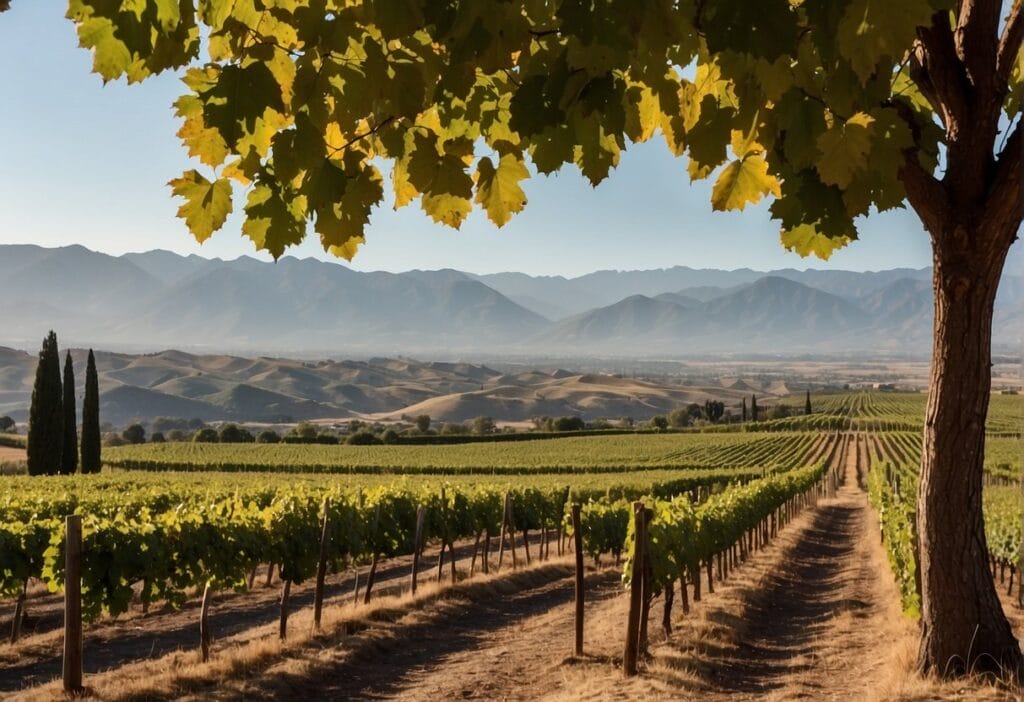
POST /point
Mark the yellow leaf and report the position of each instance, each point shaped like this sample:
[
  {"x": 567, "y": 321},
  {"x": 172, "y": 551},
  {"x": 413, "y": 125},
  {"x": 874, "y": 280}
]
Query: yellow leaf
[
  {"x": 805, "y": 240},
  {"x": 207, "y": 205},
  {"x": 743, "y": 181},
  {"x": 497, "y": 189},
  {"x": 405, "y": 191}
]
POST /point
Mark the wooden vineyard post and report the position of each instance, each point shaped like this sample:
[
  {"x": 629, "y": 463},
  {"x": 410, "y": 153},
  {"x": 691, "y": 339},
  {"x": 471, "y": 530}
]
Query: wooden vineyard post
[
  {"x": 444, "y": 536},
  {"x": 577, "y": 540},
  {"x": 544, "y": 539},
  {"x": 370, "y": 577},
  {"x": 451, "y": 559},
  {"x": 476, "y": 552},
  {"x": 376, "y": 557},
  {"x": 629, "y": 655},
  {"x": 666, "y": 615},
  {"x": 512, "y": 532},
  {"x": 487, "y": 551},
  {"x": 270, "y": 575},
  {"x": 73, "y": 605},
  {"x": 19, "y": 613},
  {"x": 321, "y": 567},
  {"x": 501, "y": 538},
  {"x": 421, "y": 513},
  {"x": 645, "y": 590},
  {"x": 204, "y": 623},
  {"x": 286, "y": 591}
]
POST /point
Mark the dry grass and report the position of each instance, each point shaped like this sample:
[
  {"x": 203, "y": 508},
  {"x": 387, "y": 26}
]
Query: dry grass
[{"x": 253, "y": 667}]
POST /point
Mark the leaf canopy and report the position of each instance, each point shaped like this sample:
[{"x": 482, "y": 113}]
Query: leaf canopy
[{"x": 306, "y": 102}]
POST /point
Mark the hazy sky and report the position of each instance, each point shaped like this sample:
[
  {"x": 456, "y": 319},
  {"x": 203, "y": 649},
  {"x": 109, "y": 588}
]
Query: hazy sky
[{"x": 84, "y": 163}]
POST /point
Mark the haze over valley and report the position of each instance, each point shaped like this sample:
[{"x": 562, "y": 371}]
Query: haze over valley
[{"x": 158, "y": 300}]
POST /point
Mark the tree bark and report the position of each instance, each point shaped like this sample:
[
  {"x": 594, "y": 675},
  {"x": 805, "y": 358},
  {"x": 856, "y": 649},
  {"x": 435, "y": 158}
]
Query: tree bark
[{"x": 963, "y": 627}]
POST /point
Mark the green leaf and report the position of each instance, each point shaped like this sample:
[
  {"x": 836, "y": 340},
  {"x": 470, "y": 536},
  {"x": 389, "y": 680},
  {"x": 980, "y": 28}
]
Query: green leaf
[
  {"x": 207, "y": 205},
  {"x": 497, "y": 189},
  {"x": 742, "y": 181},
  {"x": 443, "y": 181},
  {"x": 873, "y": 30},
  {"x": 766, "y": 28},
  {"x": 342, "y": 226},
  {"x": 801, "y": 121},
  {"x": 844, "y": 149},
  {"x": 242, "y": 102},
  {"x": 275, "y": 219},
  {"x": 551, "y": 149},
  {"x": 708, "y": 138}
]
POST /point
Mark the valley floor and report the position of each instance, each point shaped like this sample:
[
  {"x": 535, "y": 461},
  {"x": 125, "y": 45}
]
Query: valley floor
[{"x": 815, "y": 615}]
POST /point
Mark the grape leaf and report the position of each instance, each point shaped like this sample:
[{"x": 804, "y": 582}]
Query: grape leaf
[
  {"x": 844, "y": 149},
  {"x": 742, "y": 181},
  {"x": 207, "y": 204},
  {"x": 498, "y": 189}
]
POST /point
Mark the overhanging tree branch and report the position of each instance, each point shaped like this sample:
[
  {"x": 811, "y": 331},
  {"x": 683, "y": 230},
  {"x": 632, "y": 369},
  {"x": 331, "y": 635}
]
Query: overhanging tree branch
[
  {"x": 1005, "y": 202},
  {"x": 940, "y": 70},
  {"x": 974, "y": 38},
  {"x": 1009, "y": 44}
]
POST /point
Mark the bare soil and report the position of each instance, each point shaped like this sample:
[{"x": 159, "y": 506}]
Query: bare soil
[{"x": 10, "y": 453}]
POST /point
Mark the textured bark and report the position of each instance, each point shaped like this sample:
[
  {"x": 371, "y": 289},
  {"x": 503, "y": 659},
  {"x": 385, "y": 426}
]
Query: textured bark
[
  {"x": 963, "y": 627},
  {"x": 973, "y": 215}
]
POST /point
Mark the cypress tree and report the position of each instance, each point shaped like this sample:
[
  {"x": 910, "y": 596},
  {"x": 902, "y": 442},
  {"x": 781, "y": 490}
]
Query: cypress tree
[
  {"x": 807, "y": 407},
  {"x": 46, "y": 417},
  {"x": 91, "y": 419},
  {"x": 753, "y": 407},
  {"x": 69, "y": 455},
  {"x": 744, "y": 409}
]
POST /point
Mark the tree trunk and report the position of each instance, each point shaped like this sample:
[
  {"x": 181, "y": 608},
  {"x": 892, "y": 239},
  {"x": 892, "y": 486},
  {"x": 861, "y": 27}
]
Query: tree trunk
[{"x": 962, "y": 623}]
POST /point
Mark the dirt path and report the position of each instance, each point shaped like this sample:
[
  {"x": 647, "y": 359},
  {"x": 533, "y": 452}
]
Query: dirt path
[
  {"x": 822, "y": 622},
  {"x": 491, "y": 646}
]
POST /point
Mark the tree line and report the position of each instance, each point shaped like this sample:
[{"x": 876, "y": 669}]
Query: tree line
[{"x": 53, "y": 438}]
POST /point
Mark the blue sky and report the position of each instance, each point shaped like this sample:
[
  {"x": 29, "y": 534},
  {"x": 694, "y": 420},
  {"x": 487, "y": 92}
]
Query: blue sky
[{"x": 84, "y": 163}]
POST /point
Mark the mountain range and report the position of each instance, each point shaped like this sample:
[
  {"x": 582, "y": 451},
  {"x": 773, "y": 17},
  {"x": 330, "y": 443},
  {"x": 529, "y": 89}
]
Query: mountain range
[{"x": 159, "y": 300}]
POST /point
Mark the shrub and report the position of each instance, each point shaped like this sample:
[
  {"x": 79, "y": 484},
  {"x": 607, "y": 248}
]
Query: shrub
[
  {"x": 134, "y": 434},
  {"x": 207, "y": 435},
  {"x": 679, "y": 418},
  {"x": 268, "y": 437},
  {"x": 569, "y": 424},
  {"x": 363, "y": 438},
  {"x": 484, "y": 425},
  {"x": 390, "y": 436},
  {"x": 157, "y": 438},
  {"x": 234, "y": 434}
]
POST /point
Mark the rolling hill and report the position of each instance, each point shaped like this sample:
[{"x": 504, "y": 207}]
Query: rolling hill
[{"x": 221, "y": 387}]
